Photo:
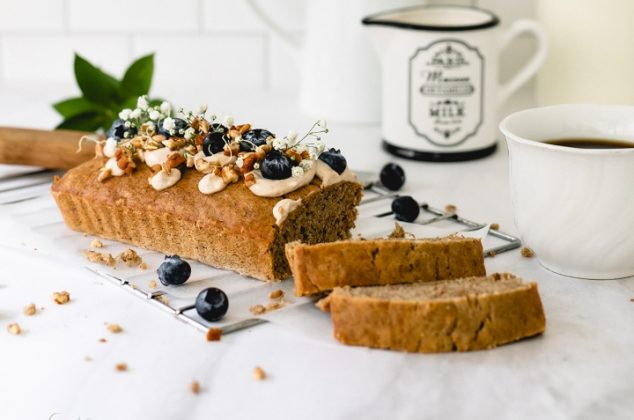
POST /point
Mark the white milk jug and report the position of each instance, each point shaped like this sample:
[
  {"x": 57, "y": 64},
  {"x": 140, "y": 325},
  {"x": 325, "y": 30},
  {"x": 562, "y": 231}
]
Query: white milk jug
[
  {"x": 440, "y": 79},
  {"x": 339, "y": 70}
]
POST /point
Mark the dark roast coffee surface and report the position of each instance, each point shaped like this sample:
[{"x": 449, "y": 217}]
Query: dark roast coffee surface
[{"x": 590, "y": 143}]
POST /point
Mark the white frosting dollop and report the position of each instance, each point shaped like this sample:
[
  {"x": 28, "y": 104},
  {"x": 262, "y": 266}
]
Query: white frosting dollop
[
  {"x": 205, "y": 164},
  {"x": 329, "y": 176},
  {"x": 110, "y": 147},
  {"x": 283, "y": 208},
  {"x": 114, "y": 168},
  {"x": 156, "y": 157},
  {"x": 211, "y": 183},
  {"x": 162, "y": 180},
  {"x": 276, "y": 187}
]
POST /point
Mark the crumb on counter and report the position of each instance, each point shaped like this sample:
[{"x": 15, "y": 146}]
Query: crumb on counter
[
  {"x": 195, "y": 387},
  {"x": 274, "y": 306},
  {"x": 163, "y": 299},
  {"x": 100, "y": 258},
  {"x": 102, "y": 340},
  {"x": 398, "y": 232},
  {"x": 14, "y": 328},
  {"x": 276, "y": 294},
  {"x": 143, "y": 266},
  {"x": 130, "y": 258},
  {"x": 88, "y": 359},
  {"x": 114, "y": 328},
  {"x": 527, "y": 252},
  {"x": 491, "y": 253},
  {"x": 213, "y": 334},
  {"x": 30, "y": 309},
  {"x": 61, "y": 298},
  {"x": 495, "y": 226},
  {"x": 121, "y": 367},
  {"x": 152, "y": 284},
  {"x": 96, "y": 243},
  {"x": 257, "y": 309},
  {"x": 259, "y": 374},
  {"x": 450, "y": 208}
]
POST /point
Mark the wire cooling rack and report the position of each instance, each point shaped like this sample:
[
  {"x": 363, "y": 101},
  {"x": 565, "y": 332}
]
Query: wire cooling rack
[{"x": 25, "y": 196}]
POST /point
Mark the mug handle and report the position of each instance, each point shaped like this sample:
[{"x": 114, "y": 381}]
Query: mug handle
[
  {"x": 536, "y": 61},
  {"x": 291, "y": 42}
]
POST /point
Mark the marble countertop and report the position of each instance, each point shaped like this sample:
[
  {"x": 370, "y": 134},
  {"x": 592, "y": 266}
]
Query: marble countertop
[{"x": 581, "y": 368}]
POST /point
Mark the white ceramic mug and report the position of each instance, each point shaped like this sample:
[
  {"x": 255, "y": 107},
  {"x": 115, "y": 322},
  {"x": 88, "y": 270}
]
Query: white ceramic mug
[
  {"x": 574, "y": 207},
  {"x": 440, "y": 79}
]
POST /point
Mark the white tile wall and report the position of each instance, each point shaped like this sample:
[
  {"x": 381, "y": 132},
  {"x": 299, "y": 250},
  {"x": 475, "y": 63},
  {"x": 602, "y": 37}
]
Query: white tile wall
[{"x": 210, "y": 42}]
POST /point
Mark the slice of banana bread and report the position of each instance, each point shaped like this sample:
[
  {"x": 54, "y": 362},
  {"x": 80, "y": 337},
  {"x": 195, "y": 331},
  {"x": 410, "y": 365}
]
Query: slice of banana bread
[
  {"x": 322, "y": 267},
  {"x": 456, "y": 315}
]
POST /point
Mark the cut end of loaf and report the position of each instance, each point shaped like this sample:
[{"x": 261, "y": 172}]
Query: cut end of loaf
[{"x": 455, "y": 315}]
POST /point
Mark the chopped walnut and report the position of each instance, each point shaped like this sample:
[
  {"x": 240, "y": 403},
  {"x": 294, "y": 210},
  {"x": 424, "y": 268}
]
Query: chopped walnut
[
  {"x": 450, "y": 208},
  {"x": 259, "y": 374},
  {"x": 213, "y": 334},
  {"x": 30, "y": 309},
  {"x": 61, "y": 298},
  {"x": 130, "y": 258},
  {"x": 100, "y": 258},
  {"x": 114, "y": 328},
  {"x": 152, "y": 284},
  {"x": 143, "y": 266},
  {"x": 527, "y": 252},
  {"x": 96, "y": 243},
  {"x": 121, "y": 367},
  {"x": 274, "y": 306},
  {"x": 257, "y": 309},
  {"x": 14, "y": 328},
  {"x": 195, "y": 387},
  {"x": 163, "y": 299},
  {"x": 491, "y": 253},
  {"x": 397, "y": 233},
  {"x": 276, "y": 294},
  {"x": 495, "y": 226}
]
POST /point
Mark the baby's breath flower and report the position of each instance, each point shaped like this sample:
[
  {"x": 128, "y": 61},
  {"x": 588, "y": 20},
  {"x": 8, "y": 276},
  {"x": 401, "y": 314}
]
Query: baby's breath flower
[
  {"x": 292, "y": 135},
  {"x": 110, "y": 147},
  {"x": 297, "y": 171},
  {"x": 155, "y": 115},
  {"x": 227, "y": 121},
  {"x": 166, "y": 108},
  {"x": 136, "y": 113},
  {"x": 306, "y": 164},
  {"x": 256, "y": 165},
  {"x": 202, "y": 109},
  {"x": 322, "y": 124},
  {"x": 168, "y": 123},
  {"x": 125, "y": 114},
  {"x": 279, "y": 144},
  {"x": 127, "y": 124},
  {"x": 240, "y": 162},
  {"x": 189, "y": 133},
  {"x": 142, "y": 103}
]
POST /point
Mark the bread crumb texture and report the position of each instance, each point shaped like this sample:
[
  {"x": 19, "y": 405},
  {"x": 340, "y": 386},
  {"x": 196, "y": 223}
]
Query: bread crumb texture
[{"x": 61, "y": 298}]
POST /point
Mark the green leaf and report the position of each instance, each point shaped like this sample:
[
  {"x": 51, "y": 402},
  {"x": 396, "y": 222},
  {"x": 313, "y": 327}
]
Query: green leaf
[
  {"x": 138, "y": 77},
  {"x": 88, "y": 121},
  {"x": 74, "y": 106},
  {"x": 96, "y": 85}
]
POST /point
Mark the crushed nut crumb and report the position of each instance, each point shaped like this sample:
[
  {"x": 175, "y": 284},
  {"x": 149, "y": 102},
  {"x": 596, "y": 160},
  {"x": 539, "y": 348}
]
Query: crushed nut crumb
[
  {"x": 491, "y": 253},
  {"x": 14, "y": 328},
  {"x": 114, "y": 328},
  {"x": 96, "y": 243},
  {"x": 259, "y": 374},
  {"x": 143, "y": 266},
  {"x": 30, "y": 309},
  {"x": 276, "y": 294},
  {"x": 213, "y": 334},
  {"x": 397, "y": 233},
  {"x": 257, "y": 309},
  {"x": 274, "y": 306},
  {"x": 130, "y": 258},
  {"x": 100, "y": 258},
  {"x": 88, "y": 359},
  {"x": 152, "y": 284},
  {"x": 102, "y": 340},
  {"x": 450, "y": 208},
  {"x": 121, "y": 367},
  {"x": 163, "y": 299},
  {"x": 495, "y": 226},
  {"x": 527, "y": 252},
  {"x": 61, "y": 298},
  {"x": 195, "y": 387}
]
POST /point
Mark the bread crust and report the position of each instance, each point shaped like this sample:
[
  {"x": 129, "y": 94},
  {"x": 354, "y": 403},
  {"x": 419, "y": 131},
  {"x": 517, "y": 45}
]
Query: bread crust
[
  {"x": 322, "y": 267},
  {"x": 232, "y": 229},
  {"x": 463, "y": 323}
]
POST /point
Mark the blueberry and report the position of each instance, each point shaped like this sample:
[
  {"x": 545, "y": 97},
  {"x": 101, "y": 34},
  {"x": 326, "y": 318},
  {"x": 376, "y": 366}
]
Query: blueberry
[
  {"x": 276, "y": 165},
  {"x": 180, "y": 126},
  {"x": 256, "y": 137},
  {"x": 405, "y": 208},
  {"x": 118, "y": 129},
  {"x": 215, "y": 140},
  {"x": 334, "y": 159},
  {"x": 392, "y": 176},
  {"x": 212, "y": 304},
  {"x": 174, "y": 270}
]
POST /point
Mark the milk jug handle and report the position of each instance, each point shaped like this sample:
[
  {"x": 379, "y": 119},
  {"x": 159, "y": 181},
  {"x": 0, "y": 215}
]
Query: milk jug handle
[
  {"x": 291, "y": 42},
  {"x": 519, "y": 27}
]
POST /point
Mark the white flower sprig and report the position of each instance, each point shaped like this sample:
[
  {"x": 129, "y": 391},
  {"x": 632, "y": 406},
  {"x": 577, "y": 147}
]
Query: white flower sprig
[{"x": 311, "y": 141}]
